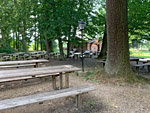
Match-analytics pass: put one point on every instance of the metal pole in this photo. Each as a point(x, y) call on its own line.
point(82, 52)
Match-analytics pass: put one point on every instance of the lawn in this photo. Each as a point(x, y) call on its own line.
point(140, 53)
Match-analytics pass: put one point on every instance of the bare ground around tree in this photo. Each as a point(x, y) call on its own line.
point(107, 98)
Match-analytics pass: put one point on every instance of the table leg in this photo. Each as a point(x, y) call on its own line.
point(61, 80)
point(37, 64)
point(137, 61)
point(148, 68)
point(66, 80)
point(78, 101)
point(54, 82)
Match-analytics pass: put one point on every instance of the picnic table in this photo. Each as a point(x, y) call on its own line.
point(135, 59)
point(54, 71)
point(11, 63)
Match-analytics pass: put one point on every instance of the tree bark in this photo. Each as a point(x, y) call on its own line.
point(117, 62)
point(24, 37)
point(49, 45)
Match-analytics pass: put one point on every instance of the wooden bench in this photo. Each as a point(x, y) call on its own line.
point(142, 65)
point(22, 63)
point(38, 98)
point(17, 66)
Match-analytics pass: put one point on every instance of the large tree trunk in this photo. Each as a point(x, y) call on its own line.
point(117, 38)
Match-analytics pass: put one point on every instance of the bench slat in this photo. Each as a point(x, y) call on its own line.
point(36, 98)
point(24, 78)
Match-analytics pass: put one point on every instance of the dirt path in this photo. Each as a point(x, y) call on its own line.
point(107, 98)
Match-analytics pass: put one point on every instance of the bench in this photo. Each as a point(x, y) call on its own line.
point(17, 66)
point(22, 63)
point(39, 98)
point(142, 65)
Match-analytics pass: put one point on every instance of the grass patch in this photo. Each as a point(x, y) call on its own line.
point(99, 76)
point(140, 53)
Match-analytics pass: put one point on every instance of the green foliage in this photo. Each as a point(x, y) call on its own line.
point(140, 53)
point(139, 15)
point(6, 48)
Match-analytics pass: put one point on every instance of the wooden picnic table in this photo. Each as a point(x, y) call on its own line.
point(33, 72)
point(37, 62)
point(134, 59)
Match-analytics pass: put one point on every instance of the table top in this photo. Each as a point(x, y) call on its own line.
point(37, 71)
point(22, 62)
point(77, 53)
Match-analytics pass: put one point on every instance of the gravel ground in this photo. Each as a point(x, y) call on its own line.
point(107, 98)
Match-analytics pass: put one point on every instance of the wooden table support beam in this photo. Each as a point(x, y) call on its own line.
point(66, 80)
point(61, 80)
point(54, 82)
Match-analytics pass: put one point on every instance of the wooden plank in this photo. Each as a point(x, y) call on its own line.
point(33, 72)
point(36, 98)
point(66, 80)
point(26, 78)
point(16, 66)
point(22, 62)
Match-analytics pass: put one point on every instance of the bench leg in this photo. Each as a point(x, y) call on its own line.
point(78, 101)
point(54, 82)
point(37, 64)
point(61, 80)
point(66, 80)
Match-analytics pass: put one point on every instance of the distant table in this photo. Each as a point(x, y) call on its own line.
point(37, 62)
point(134, 59)
point(77, 55)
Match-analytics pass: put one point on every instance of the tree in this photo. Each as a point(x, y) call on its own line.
point(117, 62)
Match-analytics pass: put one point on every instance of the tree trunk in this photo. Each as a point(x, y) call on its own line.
point(41, 43)
point(24, 37)
point(103, 52)
point(14, 40)
point(68, 44)
point(61, 49)
point(37, 44)
point(117, 62)
point(49, 45)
